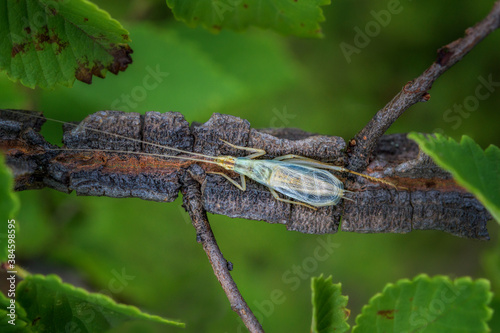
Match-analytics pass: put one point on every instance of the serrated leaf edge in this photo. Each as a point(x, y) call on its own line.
point(424, 277)
point(103, 299)
point(69, 83)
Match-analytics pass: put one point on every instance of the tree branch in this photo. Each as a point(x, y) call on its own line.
point(434, 201)
point(362, 145)
point(192, 202)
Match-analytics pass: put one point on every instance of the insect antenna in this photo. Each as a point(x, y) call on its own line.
point(135, 153)
point(373, 179)
point(151, 144)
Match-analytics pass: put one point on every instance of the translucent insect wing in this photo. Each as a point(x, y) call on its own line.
point(313, 186)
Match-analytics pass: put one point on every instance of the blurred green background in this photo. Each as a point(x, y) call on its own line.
point(272, 81)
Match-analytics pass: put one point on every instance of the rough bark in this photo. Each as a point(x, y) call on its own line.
point(426, 197)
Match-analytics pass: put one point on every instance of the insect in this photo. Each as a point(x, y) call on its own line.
point(305, 180)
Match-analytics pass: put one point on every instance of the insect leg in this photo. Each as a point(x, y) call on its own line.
point(297, 159)
point(243, 185)
point(256, 151)
point(275, 195)
point(293, 156)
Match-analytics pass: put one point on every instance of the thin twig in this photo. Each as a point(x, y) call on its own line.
point(362, 145)
point(204, 235)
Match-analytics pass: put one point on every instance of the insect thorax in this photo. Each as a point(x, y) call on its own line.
point(258, 170)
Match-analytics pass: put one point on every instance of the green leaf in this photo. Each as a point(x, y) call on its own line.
point(12, 314)
point(53, 306)
point(329, 306)
point(495, 321)
point(477, 170)
point(299, 18)
point(9, 204)
point(47, 43)
point(428, 305)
